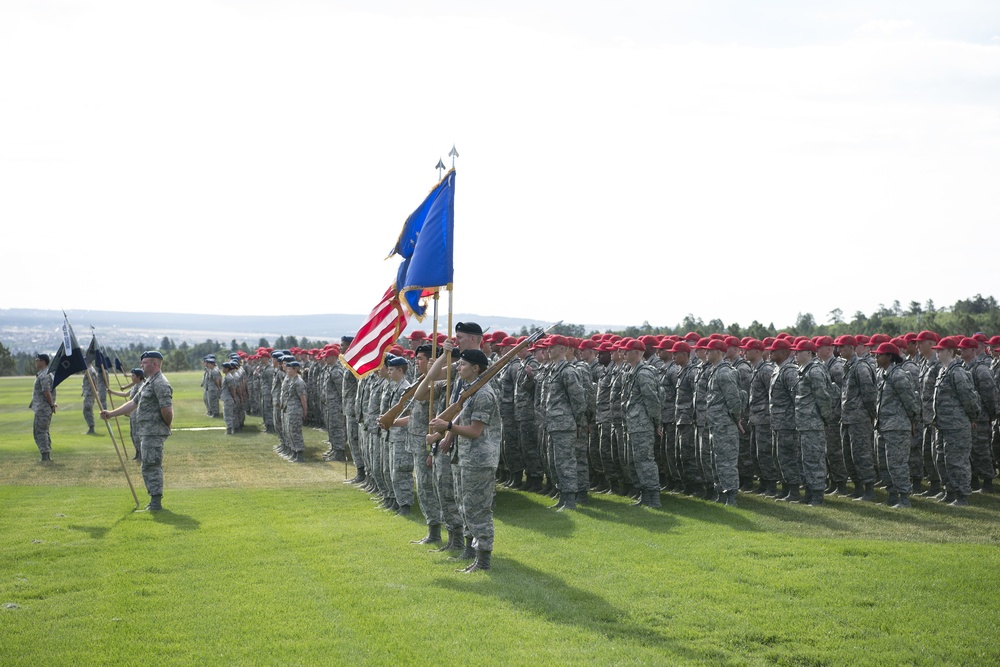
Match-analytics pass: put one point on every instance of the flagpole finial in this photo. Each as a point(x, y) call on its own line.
point(440, 167)
point(453, 154)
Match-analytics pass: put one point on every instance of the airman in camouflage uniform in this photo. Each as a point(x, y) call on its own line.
point(670, 472)
point(982, 380)
point(643, 417)
point(813, 411)
point(858, 403)
point(565, 413)
point(759, 419)
point(836, 462)
point(333, 402)
point(43, 403)
point(88, 396)
point(523, 372)
point(294, 403)
point(622, 482)
point(401, 462)
point(212, 383)
point(416, 423)
point(724, 409)
point(687, 444)
point(276, 382)
point(349, 396)
point(743, 373)
point(897, 411)
point(781, 404)
point(266, 381)
point(703, 373)
point(956, 406)
point(929, 368)
point(228, 395)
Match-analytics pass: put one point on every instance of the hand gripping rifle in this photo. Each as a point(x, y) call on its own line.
point(451, 412)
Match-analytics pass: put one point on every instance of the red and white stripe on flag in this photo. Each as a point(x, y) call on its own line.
point(383, 326)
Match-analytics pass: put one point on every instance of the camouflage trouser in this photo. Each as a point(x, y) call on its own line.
point(267, 410)
point(40, 429)
point(279, 427)
point(528, 441)
point(982, 453)
point(563, 447)
point(511, 452)
point(619, 445)
point(687, 445)
point(858, 445)
point(725, 439)
point(835, 453)
point(376, 464)
point(894, 450)
point(88, 410)
point(293, 430)
point(789, 456)
point(641, 462)
point(582, 461)
point(594, 450)
point(353, 438)
point(429, 503)
point(952, 457)
point(927, 447)
point(336, 428)
point(760, 436)
point(705, 454)
point(229, 411)
point(746, 457)
point(212, 402)
point(152, 463)
point(133, 433)
point(813, 445)
point(604, 446)
point(477, 487)
point(444, 488)
point(544, 450)
point(401, 468)
point(671, 453)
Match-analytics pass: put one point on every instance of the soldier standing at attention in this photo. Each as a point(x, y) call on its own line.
point(212, 381)
point(88, 396)
point(565, 413)
point(477, 440)
point(724, 409)
point(781, 403)
point(857, 400)
point(743, 374)
point(401, 461)
point(897, 413)
point(760, 417)
point(294, 402)
point(929, 368)
point(687, 445)
point(228, 395)
point(956, 405)
point(266, 381)
point(348, 395)
point(835, 460)
point(813, 411)
point(670, 474)
point(985, 386)
point(416, 423)
point(43, 403)
point(643, 417)
point(333, 402)
point(155, 413)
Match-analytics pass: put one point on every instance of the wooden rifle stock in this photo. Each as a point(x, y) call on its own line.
point(453, 410)
point(386, 419)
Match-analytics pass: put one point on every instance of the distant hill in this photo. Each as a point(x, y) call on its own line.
point(23, 329)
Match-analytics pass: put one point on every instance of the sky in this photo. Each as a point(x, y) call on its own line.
point(619, 162)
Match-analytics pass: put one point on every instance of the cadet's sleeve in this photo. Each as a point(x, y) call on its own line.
point(821, 390)
point(967, 394)
point(902, 384)
point(577, 396)
point(650, 392)
point(866, 388)
point(164, 394)
point(731, 394)
point(987, 389)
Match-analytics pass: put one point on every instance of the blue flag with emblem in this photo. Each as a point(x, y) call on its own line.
point(427, 247)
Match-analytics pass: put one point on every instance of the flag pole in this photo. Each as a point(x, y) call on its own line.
point(434, 347)
point(447, 382)
point(120, 459)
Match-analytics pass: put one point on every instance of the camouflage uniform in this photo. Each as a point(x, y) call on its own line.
point(524, 417)
point(702, 375)
point(781, 403)
point(43, 411)
point(619, 460)
point(154, 395)
point(416, 433)
point(88, 395)
point(929, 369)
point(291, 392)
point(266, 404)
point(835, 459)
point(477, 461)
point(915, 458)
point(401, 463)
point(813, 411)
point(445, 476)
point(565, 413)
point(348, 397)
point(670, 455)
point(212, 392)
point(724, 409)
point(333, 387)
point(506, 382)
point(897, 409)
point(858, 396)
point(760, 421)
point(956, 405)
point(276, 381)
point(373, 436)
point(746, 457)
point(228, 395)
point(643, 417)
point(583, 434)
point(687, 444)
point(982, 454)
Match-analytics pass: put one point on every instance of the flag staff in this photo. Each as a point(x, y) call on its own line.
point(93, 386)
point(440, 167)
point(434, 347)
point(447, 379)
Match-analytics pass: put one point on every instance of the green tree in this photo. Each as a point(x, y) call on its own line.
point(915, 308)
point(805, 324)
point(166, 345)
point(263, 343)
point(176, 362)
point(836, 316)
point(233, 345)
point(7, 364)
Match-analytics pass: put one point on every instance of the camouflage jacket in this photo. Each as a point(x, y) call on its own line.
point(982, 380)
point(835, 369)
point(956, 404)
point(858, 394)
point(641, 396)
point(565, 399)
point(781, 396)
point(929, 369)
point(668, 391)
point(760, 386)
point(897, 405)
point(813, 397)
point(725, 398)
point(684, 395)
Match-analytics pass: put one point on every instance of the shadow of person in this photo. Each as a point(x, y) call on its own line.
point(98, 532)
point(532, 512)
point(178, 521)
point(551, 598)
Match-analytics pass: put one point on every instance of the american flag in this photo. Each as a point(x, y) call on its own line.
point(383, 326)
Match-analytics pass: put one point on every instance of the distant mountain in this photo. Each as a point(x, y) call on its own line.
point(27, 329)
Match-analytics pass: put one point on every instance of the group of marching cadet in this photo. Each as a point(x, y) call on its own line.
point(789, 418)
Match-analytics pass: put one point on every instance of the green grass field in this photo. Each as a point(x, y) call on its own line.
point(259, 561)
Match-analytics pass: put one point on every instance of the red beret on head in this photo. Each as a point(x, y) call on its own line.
point(606, 346)
point(805, 346)
point(754, 344)
point(979, 337)
point(783, 334)
point(510, 341)
point(732, 341)
point(588, 344)
point(713, 336)
point(910, 337)
point(887, 348)
point(847, 340)
point(767, 341)
point(746, 339)
point(968, 343)
point(635, 345)
point(780, 344)
point(823, 341)
point(862, 339)
point(717, 344)
point(995, 340)
point(556, 339)
point(946, 343)
point(692, 336)
point(417, 334)
point(681, 346)
point(928, 335)
point(878, 339)
point(597, 337)
point(333, 352)
point(702, 344)
point(665, 344)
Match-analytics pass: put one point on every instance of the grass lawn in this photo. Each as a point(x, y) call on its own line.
point(260, 561)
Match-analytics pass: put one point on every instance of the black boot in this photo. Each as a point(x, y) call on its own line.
point(298, 457)
point(858, 489)
point(468, 553)
point(831, 487)
point(730, 498)
point(793, 494)
point(816, 500)
point(433, 535)
point(807, 496)
point(711, 493)
point(481, 564)
point(651, 499)
point(903, 502)
point(546, 488)
point(641, 501)
point(582, 498)
point(772, 489)
point(358, 478)
point(46, 457)
point(559, 503)
point(404, 510)
point(892, 499)
point(516, 480)
point(568, 501)
point(155, 504)
point(842, 489)
point(987, 485)
point(138, 456)
point(782, 493)
point(934, 489)
point(869, 493)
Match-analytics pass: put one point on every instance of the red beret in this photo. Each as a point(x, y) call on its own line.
point(665, 344)
point(878, 338)
point(847, 340)
point(637, 345)
point(823, 341)
point(597, 337)
point(767, 341)
point(556, 339)
point(754, 344)
point(510, 341)
point(713, 336)
point(606, 346)
point(417, 335)
point(588, 344)
point(899, 342)
point(681, 346)
point(732, 341)
point(717, 344)
point(702, 344)
point(979, 337)
point(780, 344)
point(805, 346)
point(692, 336)
point(887, 348)
point(333, 352)
point(994, 341)
point(909, 337)
point(783, 334)
point(968, 344)
point(746, 339)
point(946, 343)
point(862, 339)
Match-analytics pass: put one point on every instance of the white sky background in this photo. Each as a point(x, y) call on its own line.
point(620, 162)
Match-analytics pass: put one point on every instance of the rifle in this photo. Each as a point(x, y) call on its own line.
point(386, 419)
point(453, 410)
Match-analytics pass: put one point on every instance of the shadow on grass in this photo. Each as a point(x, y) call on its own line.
point(603, 508)
point(795, 513)
point(98, 532)
point(178, 521)
point(532, 591)
point(523, 510)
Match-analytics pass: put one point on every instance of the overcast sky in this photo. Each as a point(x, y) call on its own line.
point(619, 162)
